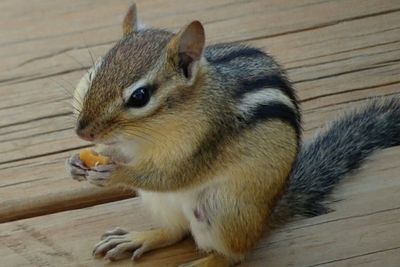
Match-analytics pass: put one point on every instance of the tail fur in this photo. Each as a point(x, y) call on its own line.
point(337, 151)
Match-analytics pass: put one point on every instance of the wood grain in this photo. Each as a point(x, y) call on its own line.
point(323, 77)
point(46, 130)
point(225, 20)
point(362, 230)
point(337, 53)
point(35, 188)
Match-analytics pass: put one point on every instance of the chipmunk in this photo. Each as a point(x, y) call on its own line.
point(210, 138)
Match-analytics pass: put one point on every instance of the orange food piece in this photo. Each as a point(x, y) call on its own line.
point(92, 159)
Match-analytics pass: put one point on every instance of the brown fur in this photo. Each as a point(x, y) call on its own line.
point(194, 135)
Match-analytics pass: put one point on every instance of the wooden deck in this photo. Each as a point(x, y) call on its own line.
point(337, 53)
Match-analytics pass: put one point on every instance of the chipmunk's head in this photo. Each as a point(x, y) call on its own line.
point(144, 79)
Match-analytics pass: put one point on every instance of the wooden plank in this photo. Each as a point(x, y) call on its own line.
point(336, 58)
point(330, 75)
point(326, 242)
point(327, 79)
point(39, 187)
point(332, 66)
point(361, 230)
point(225, 21)
point(387, 258)
point(71, 198)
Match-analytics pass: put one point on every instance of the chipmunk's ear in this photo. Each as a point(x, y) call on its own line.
point(130, 23)
point(186, 47)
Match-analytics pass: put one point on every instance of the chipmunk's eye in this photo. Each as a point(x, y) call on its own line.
point(139, 98)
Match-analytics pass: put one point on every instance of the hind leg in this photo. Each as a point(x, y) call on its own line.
point(228, 226)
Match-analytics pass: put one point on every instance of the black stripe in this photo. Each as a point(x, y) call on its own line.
point(272, 81)
point(244, 52)
point(275, 110)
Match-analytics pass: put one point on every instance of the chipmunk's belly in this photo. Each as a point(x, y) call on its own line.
point(183, 211)
point(200, 226)
point(166, 210)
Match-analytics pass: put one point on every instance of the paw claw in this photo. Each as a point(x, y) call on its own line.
point(118, 244)
point(107, 244)
point(121, 251)
point(115, 231)
point(104, 168)
point(138, 252)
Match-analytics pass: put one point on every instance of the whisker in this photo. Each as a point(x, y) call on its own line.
point(114, 130)
point(65, 102)
point(134, 131)
point(87, 47)
point(135, 134)
point(70, 84)
point(77, 101)
point(77, 61)
point(61, 86)
point(90, 53)
point(128, 124)
point(70, 95)
point(75, 98)
point(77, 110)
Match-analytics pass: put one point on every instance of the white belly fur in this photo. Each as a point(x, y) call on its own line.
point(175, 211)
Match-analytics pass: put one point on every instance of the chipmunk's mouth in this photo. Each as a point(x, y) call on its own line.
point(105, 141)
point(106, 137)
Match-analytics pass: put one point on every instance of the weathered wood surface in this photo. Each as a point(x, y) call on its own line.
point(337, 53)
point(329, 64)
point(362, 231)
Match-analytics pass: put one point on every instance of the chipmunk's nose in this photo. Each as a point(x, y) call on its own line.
point(83, 131)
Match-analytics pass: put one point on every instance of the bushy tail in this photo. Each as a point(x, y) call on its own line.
point(339, 150)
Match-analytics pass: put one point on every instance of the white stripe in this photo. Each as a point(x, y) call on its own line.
point(130, 89)
point(265, 96)
point(84, 84)
point(140, 26)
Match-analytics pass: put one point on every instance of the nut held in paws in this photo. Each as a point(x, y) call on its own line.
point(92, 159)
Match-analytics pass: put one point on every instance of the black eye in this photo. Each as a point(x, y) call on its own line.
point(139, 98)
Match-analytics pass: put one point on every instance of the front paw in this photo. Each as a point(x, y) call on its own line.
point(100, 175)
point(76, 168)
point(97, 175)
